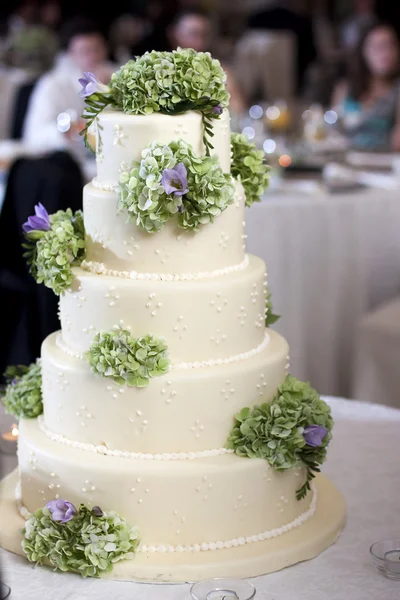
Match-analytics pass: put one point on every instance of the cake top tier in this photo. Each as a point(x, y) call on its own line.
point(171, 83)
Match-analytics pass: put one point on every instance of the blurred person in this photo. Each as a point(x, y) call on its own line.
point(85, 49)
point(362, 17)
point(50, 14)
point(193, 29)
point(27, 43)
point(156, 16)
point(25, 13)
point(368, 100)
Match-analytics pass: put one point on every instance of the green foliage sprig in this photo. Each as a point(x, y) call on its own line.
point(23, 397)
point(87, 544)
point(126, 359)
point(270, 317)
point(249, 168)
point(275, 430)
point(51, 254)
point(145, 200)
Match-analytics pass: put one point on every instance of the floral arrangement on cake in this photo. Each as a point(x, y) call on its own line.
point(23, 396)
point(166, 82)
point(249, 168)
point(293, 429)
point(86, 540)
point(270, 317)
point(54, 244)
point(171, 180)
point(126, 359)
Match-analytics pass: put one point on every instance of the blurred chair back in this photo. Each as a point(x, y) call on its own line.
point(21, 104)
point(29, 309)
point(265, 64)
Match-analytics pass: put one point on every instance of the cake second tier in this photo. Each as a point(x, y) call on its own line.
point(201, 320)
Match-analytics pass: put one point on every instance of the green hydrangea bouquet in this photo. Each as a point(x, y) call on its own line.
point(23, 397)
point(293, 429)
point(87, 540)
point(249, 168)
point(126, 359)
point(54, 244)
point(173, 180)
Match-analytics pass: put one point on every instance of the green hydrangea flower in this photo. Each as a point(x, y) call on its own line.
point(275, 431)
point(52, 254)
point(270, 317)
point(87, 544)
point(249, 168)
point(146, 202)
point(168, 82)
point(117, 354)
point(23, 397)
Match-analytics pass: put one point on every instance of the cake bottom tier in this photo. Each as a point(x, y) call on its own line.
point(248, 560)
point(186, 509)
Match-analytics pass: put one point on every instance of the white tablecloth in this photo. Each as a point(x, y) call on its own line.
point(363, 461)
point(330, 259)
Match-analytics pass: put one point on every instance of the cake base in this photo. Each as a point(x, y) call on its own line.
point(297, 545)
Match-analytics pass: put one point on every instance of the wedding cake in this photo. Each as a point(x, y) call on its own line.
point(160, 424)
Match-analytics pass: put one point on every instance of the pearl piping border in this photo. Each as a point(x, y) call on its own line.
point(104, 185)
point(98, 268)
point(101, 449)
point(212, 362)
point(207, 546)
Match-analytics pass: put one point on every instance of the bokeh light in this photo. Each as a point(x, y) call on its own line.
point(273, 113)
point(285, 160)
point(256, 111)
point(249, 132)
point(330, 117)
point(63, 122)
point(269, 146)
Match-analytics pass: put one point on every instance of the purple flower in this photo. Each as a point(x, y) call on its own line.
point(90, 85)
point(40, 222)
point(314, 435)
point(96, 510)
point(174, 181)
point(217, 110)
point(61, 510)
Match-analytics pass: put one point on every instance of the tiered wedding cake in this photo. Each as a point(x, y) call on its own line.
point(157, 454)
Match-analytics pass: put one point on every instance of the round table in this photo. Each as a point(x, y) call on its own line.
point(364, 463)
point(330, 259)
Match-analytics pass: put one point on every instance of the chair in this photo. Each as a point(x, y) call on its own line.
point(30, 310)
point(377, 374)
point(21, 105)
point(265, 63)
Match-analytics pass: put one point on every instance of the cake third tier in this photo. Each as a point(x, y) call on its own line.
point(201, 320)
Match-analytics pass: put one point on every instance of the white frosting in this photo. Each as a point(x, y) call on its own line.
point(219, 545)
point(211, 362)
point(123, 137)
point(60, 439)
point(101, 269)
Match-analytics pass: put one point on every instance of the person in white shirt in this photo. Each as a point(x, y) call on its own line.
point(58, 90)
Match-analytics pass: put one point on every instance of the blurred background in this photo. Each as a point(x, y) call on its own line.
point(315, 84)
